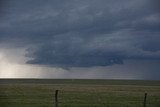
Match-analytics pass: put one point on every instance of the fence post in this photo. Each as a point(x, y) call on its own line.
point(145, 97)
point(56, 98)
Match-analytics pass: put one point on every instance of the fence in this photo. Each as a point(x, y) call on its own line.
point(56, 99)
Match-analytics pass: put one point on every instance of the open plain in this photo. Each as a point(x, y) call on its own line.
point(78, 93)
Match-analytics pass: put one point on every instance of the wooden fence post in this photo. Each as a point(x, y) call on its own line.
point(145, 97)
point(56, 98)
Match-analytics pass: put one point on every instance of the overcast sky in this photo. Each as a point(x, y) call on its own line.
point(105, 39)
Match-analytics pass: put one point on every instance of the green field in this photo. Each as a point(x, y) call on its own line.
point(78, 93)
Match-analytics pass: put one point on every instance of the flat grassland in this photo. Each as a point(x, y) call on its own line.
point(78, 93)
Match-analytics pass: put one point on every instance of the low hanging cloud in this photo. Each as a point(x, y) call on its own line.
point(86, 33)
point(104, 50)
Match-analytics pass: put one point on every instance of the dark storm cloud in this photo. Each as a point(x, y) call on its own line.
point(74, 33)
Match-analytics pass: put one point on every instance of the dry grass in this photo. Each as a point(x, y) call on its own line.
point(78, 94)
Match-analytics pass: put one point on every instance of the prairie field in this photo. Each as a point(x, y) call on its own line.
point(78, 93)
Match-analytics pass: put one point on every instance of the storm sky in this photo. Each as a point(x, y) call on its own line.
point(105, 39)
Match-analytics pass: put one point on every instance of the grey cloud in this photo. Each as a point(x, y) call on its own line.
point(103, 50)
point(86, 33)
